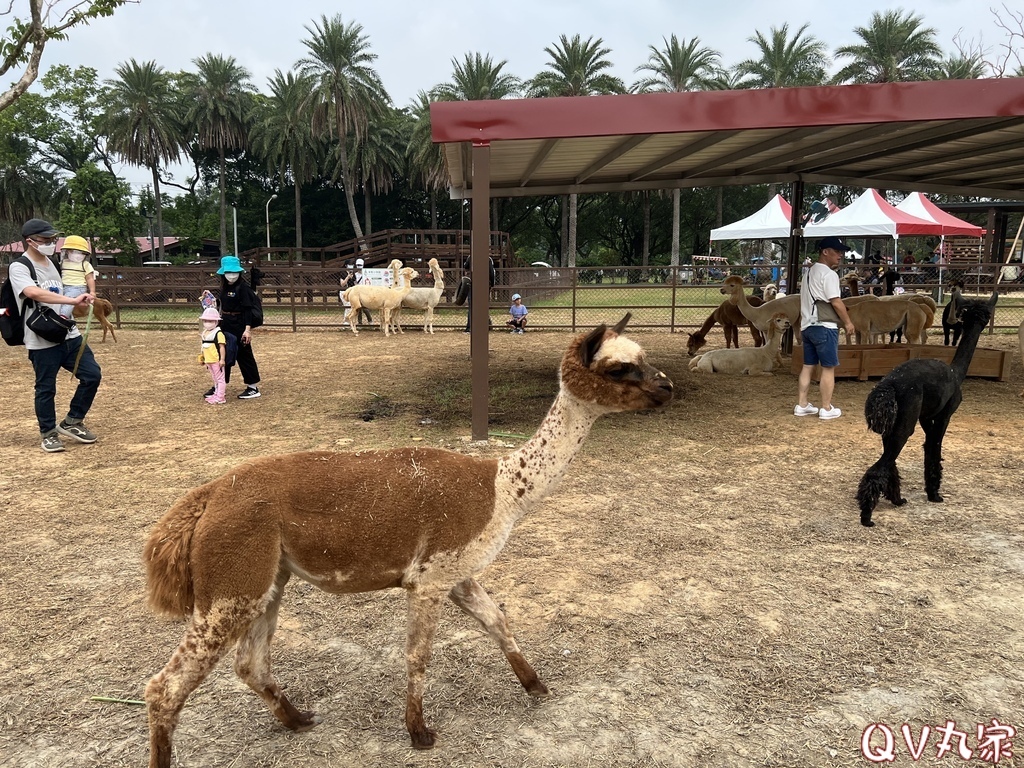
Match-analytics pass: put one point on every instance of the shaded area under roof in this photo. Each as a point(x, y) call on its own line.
point(955, 136)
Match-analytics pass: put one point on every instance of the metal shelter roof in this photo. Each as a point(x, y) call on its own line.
point(958, 136)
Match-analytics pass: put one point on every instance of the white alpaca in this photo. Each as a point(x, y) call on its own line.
point(225, 551)
point(378, 297)
point(756, 361)
point(424, 298)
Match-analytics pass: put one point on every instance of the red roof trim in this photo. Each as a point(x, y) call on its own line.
point(654, 113)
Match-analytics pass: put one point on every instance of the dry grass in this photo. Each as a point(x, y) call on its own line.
point(698, 593)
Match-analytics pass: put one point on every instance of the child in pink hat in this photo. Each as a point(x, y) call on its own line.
point(212, 353)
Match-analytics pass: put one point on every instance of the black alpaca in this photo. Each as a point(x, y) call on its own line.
point(952, 323)
point(925, 391)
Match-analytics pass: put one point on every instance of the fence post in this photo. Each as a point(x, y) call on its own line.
point(672, 314)
point(291, 292)
point(575, 287)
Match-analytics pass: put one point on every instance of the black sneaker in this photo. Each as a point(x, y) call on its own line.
point(76, 432)
point(249, 393)
point(52, 443)
point(210, 392)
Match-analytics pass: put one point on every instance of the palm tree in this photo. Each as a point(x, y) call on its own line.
point(378, 159)
point(785, 62)
point(961, 68)
point(577, 68)
point(424, 157)
point(475, 79)
point(894, 48)
point(219, 99)
point(142, 122)
point(282, 136)
point(347, 91)
point(677, 68)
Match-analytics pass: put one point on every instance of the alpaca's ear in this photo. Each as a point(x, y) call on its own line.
point(953, 310)
point(621, 325)
point(993, 300)
point(592, 343)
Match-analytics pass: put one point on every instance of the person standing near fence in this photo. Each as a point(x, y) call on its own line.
point(47, 358)
point(238, 305)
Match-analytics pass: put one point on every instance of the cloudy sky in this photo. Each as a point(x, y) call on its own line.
point(416, 40)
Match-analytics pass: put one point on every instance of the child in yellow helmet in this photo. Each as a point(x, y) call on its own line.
point(77, 274)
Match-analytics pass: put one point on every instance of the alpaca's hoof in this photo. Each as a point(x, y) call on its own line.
point(866, 522)
point(306, 721)
point(538, 689)
point(901, 501)
point(424, 739)
point(936, 498)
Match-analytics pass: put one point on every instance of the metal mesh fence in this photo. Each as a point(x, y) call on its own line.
point(557, 298)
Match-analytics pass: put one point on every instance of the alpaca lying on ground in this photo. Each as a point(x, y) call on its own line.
point(874, 317)
point(386, 299)
point(728, 316)
point(225, 550)
point(101, 312)
point(919, 390)
point(756, 361)
point(952, 325)
point(423, 298)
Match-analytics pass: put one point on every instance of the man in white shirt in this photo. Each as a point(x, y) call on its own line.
point(821, 312)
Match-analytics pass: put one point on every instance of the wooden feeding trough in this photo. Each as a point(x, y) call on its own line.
point(865, 361)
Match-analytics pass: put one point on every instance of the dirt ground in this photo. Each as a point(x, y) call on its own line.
point(698, 592)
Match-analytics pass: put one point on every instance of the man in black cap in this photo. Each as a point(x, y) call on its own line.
point(47, 358)
point(821, 312)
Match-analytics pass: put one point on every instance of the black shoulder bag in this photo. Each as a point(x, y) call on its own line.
point(42, 320)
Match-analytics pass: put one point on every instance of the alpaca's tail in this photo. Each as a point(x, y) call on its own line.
point(167, 554)
point(880, 408)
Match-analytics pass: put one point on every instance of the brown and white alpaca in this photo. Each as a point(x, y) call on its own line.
point(728, 316)
point(423, 298)
point(755, 361)
point(225, 550)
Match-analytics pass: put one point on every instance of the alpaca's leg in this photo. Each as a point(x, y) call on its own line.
point(934, 431)
point(424, 611)
point(204, 644)
point(474, 600)
point(883, 476)
point(252, 664)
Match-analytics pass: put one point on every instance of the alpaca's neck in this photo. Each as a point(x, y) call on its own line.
point(535, 469)
point(965, 350)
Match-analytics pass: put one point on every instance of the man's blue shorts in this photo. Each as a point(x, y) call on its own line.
point(821, 346)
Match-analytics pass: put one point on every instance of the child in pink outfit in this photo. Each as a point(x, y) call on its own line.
point(212, 352)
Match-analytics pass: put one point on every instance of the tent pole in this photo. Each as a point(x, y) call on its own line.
point(794, 247)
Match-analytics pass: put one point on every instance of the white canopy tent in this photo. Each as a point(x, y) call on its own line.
point(771, 222)
point(868, 216)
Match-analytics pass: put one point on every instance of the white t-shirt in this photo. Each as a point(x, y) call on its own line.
point(48, 277)
point(821, 284)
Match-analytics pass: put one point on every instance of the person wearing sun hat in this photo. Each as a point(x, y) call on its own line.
point(821, 312)
point(35, 278)
point(238, 307)
point(78, 274)
point(212, 353)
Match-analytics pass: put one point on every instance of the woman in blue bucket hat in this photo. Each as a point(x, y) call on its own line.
point(240, 312)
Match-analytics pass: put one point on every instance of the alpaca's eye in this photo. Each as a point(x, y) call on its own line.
point(618, 372)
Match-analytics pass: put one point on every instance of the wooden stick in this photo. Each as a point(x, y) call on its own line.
point(118, 701)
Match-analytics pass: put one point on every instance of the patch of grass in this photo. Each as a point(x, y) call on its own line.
point(379, 407)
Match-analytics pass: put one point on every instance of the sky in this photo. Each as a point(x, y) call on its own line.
point(416, 40)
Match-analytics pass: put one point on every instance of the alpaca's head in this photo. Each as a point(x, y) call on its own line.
point(606, 368)
point(975, 312)
point(779, 324)
point(733, 286)
point(693, 344)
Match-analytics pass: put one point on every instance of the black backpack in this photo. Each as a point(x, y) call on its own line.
point(12, 324)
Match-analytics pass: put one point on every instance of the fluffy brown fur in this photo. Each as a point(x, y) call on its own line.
point(226, 550)
point(730, 318)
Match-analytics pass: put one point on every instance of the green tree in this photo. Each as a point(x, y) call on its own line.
point(785, 61)
point(576, 68)
point(101, 210)
point(143, 124)
point(23, 42)
point(960, 67)
point(894, 47)
point(220, 101)
point(477, 78)
point(283, 137)
point(425, 158)
point(378, 159)
point(676, 68)
point(347, 91)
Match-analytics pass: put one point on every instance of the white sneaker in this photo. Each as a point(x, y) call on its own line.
point(829, 413)
point(804, 410)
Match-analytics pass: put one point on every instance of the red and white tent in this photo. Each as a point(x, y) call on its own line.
point(870, 215)
point(770, 222)
point(918, 205)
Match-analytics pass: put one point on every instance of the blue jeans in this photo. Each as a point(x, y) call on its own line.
point(47, 364)
point(821, 345)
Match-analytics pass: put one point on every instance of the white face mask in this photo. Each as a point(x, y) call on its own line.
point(209, 324)
point(76, 256)
point(232, 277)
point(46, 250)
